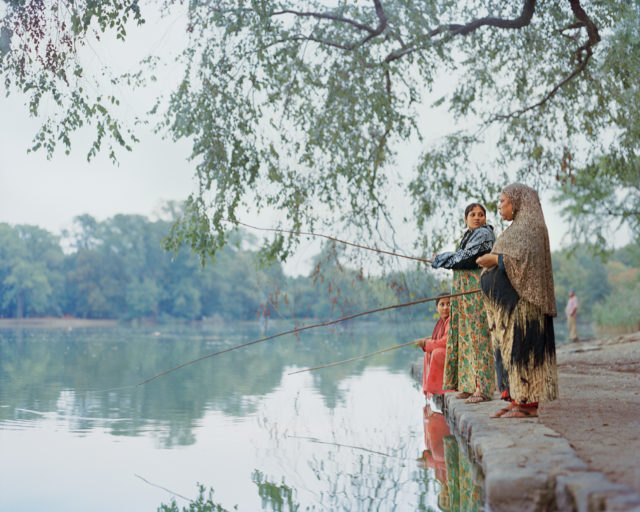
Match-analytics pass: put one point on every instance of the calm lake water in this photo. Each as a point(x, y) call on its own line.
point(76, 435)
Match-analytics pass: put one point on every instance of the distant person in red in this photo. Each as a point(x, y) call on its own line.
point(435, 350)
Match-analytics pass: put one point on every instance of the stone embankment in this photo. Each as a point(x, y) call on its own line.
point(582, 453)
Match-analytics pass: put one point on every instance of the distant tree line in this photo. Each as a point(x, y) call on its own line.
point(608, 292)
point(118, 268)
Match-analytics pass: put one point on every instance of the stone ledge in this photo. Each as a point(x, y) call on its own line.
point(529, 467)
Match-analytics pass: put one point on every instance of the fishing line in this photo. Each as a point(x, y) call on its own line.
point(354, 358)
point(163, 488)
point(316, 440)
point(276, 230)
point(304, 328)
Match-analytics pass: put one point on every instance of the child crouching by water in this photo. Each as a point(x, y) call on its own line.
point(435, 349)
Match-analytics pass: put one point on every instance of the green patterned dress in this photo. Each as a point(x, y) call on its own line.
point(469, 360)
point(464, 493)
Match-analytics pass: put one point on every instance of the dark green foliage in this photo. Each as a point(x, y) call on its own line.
point(203, 503)
point(620, 311)
point(628, 255)
point(278, 498)
point(118, 268)
point(31, 272)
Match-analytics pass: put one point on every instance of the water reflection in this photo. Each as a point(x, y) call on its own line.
point(460, 480)
point(344, 438)
point(66, 374)
point(447, 474)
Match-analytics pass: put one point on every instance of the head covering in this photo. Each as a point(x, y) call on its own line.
point(525, 249)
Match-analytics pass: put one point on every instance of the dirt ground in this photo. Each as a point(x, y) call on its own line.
point(599, 407)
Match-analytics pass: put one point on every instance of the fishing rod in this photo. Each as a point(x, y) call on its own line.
point(304, 328)
point(355, 358)
point(276, 230)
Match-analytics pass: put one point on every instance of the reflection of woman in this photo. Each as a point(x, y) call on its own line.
point(435, 430)
point(464, 493)
point(435, 350)
point(520, 303)
point(469, 360)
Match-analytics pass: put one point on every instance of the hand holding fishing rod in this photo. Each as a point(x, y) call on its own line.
point(420, 342)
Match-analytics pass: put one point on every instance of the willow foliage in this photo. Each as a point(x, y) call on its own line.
point(303, 106)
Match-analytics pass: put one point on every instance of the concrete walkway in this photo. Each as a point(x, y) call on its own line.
point(582, 453)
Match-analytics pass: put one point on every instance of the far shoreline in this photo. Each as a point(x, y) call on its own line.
point(56, 322)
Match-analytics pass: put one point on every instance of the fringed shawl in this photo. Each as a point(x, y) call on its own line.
point(524, 246)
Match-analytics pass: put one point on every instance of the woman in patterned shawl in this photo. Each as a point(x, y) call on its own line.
point(520, 303)
point(469, 366)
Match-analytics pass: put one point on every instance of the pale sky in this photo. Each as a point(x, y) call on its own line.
point(50, 193)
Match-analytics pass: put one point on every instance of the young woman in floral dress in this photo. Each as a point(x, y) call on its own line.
point(469, 366)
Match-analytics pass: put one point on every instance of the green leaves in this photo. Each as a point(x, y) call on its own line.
point(303, 107)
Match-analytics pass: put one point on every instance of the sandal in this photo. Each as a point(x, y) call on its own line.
point(464, 394)
point(476, 398)
point(519, 412)
point(500, 413)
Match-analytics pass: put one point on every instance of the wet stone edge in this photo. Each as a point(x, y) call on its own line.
point(530, 467)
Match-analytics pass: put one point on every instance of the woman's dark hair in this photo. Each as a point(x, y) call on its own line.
point(471, 207)
point(441, 296)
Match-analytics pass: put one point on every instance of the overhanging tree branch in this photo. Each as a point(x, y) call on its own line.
point(382, 23)
point(572, 26)
point(454, 29)
point(373, 32)
point(592, 30)
point(319, 41)
point(347, 106)
point(521, 21)
point(582, 54)
point(326, 16)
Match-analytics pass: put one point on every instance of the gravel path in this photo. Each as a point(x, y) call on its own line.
point(599, 407)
